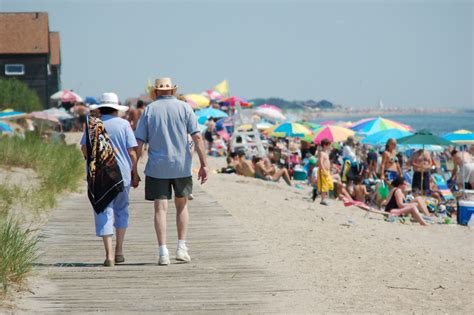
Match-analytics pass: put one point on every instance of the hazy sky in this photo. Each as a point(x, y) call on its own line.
point(405, 52)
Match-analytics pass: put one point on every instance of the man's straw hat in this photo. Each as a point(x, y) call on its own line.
point(164, 84)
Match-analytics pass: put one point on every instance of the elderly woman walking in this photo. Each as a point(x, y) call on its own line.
point(109, 146)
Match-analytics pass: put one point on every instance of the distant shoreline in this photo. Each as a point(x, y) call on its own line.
point(375, 112)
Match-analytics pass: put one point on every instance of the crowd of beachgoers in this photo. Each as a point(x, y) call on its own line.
point(357, 163)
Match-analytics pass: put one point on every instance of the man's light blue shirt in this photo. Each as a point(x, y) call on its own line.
point(165, 125)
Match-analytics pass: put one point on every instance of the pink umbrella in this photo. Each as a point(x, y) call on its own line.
point(230, 101)
point(44, 116)
point(212, 95)
point(66, 96)
point(274, 107)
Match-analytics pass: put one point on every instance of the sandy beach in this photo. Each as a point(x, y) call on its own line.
point(342, 259)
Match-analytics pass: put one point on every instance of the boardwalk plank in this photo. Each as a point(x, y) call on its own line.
point(225, 274)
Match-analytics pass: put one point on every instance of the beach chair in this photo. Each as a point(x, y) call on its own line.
point(443, 188)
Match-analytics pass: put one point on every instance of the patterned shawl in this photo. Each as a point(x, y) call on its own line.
point(104, 179)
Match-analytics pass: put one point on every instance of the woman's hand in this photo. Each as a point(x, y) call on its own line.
point(135, 180)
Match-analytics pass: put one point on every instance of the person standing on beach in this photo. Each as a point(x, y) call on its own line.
point(135, 114)
point(123, 151)
point(324, 181)
point(421, 163)
point(165, 125)
point(390, 167)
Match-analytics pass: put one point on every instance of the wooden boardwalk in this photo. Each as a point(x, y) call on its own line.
point(225, 274)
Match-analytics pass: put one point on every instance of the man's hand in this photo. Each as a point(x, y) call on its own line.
point(135, 180)
point(203, 174)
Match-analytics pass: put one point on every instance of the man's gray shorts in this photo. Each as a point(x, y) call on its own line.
point(159, 188)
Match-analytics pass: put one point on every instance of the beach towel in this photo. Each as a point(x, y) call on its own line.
point(104, 179)
point(443, 188)
point(408, 175)
point(325, 183)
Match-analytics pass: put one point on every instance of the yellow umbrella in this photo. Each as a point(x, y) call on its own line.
point(462, 131)
point(200, 101)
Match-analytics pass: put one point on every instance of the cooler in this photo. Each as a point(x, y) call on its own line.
point(299, 174)
point(465, 210)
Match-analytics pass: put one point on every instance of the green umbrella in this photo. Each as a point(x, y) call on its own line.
point(424, 137)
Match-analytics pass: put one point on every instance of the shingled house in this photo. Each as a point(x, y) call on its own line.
point(30, 53)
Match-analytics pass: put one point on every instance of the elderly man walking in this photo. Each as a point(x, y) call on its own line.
point(165, 125)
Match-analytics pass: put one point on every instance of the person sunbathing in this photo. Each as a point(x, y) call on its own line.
point(397, 206)
point(244, 167)
point(266, 171)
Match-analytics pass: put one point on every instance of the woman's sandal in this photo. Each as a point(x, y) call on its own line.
point(119, 259)
point(109, 263)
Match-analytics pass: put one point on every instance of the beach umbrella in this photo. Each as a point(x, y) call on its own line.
point(11, 114)
point(372, 125)
point(4, 127)
point(260, 126)
point(212, 95)
point(289, 130)
point(224, 122)
point(332, 133)
point(230, 101)
point(381, 137)
point(197, 100)
point(66, 96)
point(274, 107)
point(270, 113)
point(58, 113)
point(91, 100)
point(211, 113)
point(310, 125)
point(424, 137)
point(44, 116)
point(460, 137)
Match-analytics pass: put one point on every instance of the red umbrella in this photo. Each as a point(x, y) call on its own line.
point(230, 101)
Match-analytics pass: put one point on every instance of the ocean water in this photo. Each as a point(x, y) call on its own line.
point(438, 124)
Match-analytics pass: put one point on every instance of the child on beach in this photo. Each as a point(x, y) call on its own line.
point(360, 191)
point(325, 183)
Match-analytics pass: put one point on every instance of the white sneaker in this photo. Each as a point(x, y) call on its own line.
point(182, 254)
point(164, 260)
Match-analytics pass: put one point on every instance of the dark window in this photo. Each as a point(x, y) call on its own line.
point(14, 69)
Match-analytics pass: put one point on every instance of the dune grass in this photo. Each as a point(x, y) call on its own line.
point(59, 168)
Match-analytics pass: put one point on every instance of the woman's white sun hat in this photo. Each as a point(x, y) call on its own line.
point(109, 100)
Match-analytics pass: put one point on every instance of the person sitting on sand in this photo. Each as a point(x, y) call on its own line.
point(360, 191)
point(243, 166)
point(266, 171)
point(396, 204)
point(230, 168)
point(325, 182)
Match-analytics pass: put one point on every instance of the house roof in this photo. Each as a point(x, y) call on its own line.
point(54, 46)
point(24, 33)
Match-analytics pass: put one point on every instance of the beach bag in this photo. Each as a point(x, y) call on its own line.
point(383, 190)
point(104, 179)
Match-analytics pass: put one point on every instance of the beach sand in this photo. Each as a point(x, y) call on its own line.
point(342, 259)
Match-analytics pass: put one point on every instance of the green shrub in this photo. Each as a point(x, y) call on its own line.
point(18, 249)
point(17, 95)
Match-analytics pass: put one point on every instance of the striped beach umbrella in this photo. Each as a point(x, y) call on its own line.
point(11, 114)
point(381, 137)
point(332, 133)
point(460, 137)
point(372, 125)
point(289, 130)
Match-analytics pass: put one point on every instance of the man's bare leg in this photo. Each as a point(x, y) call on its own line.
point(120, 235)
point(161, 209)
point(182, 219)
